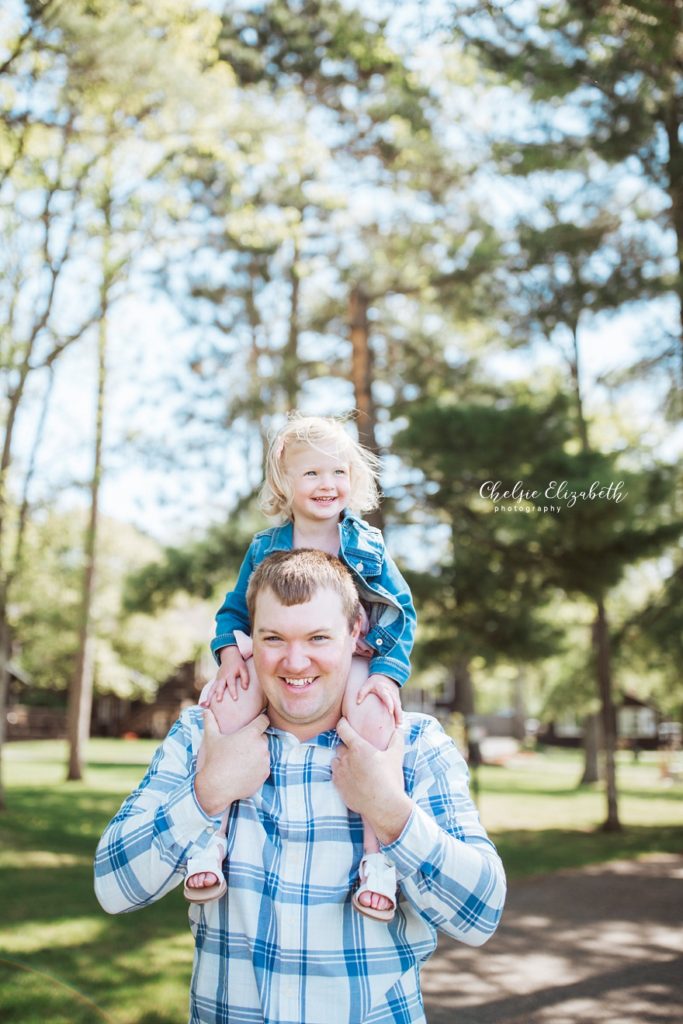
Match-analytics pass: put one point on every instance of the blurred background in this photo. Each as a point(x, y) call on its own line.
point(460, 222)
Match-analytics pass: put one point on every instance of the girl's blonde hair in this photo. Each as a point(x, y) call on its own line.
point(326, 433)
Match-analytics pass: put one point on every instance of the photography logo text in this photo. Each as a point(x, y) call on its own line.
point(552, 498)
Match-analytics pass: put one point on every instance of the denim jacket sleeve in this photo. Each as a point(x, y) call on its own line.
point(394, 660)
point(392, 614)
point(233, 613)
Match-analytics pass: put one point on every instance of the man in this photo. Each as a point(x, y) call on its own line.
point(285, 945)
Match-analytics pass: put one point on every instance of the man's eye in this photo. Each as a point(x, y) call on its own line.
point(320, 636)
point(271, 639)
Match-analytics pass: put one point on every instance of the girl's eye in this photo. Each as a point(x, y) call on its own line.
point(310, 472)
point(340, 472)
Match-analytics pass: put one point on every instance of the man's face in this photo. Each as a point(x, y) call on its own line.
point(302, 655)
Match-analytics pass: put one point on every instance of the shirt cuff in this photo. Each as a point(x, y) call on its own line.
point(188, 821)
point(419, 843)
point(387, 666)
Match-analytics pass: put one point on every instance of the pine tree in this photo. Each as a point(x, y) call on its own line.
point(606, 108)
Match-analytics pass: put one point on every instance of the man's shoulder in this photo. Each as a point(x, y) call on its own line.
point(428, 746)
point(418, 727)
point(188, 727)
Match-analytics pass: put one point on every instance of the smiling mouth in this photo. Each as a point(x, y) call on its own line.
point(299, 684)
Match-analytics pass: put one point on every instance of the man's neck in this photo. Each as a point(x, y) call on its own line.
point(305, 731)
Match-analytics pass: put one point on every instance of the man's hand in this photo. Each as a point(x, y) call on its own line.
point(387, 691)
point(370, 782)
point(233, 767)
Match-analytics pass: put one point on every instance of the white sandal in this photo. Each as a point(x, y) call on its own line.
point(210, 859)
point(377, 874)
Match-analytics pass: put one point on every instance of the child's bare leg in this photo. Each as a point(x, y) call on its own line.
point(374, 723)
point(231, 715)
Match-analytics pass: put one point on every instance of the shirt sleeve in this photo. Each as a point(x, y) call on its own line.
point(446, 865)
point(143, 850)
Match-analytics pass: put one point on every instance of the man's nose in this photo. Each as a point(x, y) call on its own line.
point(296, 657)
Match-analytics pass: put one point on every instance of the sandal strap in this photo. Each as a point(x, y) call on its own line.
point(209, 859)
point(378, 875)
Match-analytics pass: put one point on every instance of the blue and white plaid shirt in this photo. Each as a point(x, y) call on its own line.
point(284, 945)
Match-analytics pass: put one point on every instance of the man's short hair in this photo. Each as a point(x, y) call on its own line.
point(296, 576)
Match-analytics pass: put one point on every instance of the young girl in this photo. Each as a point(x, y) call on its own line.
point(317, 480)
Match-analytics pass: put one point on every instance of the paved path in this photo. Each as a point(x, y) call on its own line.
point(603, 945)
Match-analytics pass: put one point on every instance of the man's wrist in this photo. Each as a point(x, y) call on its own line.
point(391, 821)
point(205, 796)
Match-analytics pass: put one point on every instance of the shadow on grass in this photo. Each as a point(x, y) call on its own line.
point(54, 929)
point(57, 818)
point(33, 997)
point(526, 853)
point(675, 796)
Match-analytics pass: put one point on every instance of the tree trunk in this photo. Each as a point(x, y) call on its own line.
point(290, 360)
point(608, 715)
point(463, 694)
point(592, 739)
point(362, 377)
point(675, 190)
point(575, 370)
point(5, 647)
point(464, 703)
point(7, 572)
point(81, 690)
point(519, 705)
point(592, 742)
point(10, 572)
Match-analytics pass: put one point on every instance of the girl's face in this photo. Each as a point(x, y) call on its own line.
point(320, 483)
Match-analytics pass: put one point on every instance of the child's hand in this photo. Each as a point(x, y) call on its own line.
point(387, 691)
point(232, 672)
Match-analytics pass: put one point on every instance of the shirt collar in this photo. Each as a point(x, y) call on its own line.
point(329, 738)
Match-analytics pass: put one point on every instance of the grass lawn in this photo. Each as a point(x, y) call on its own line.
point(63, 961)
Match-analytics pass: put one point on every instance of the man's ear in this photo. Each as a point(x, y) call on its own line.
point(355, 632)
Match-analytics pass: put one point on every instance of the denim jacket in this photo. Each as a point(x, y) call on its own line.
point(381, 587)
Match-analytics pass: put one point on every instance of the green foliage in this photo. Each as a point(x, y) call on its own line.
point(603, 142)
point(199, 568)
point(649, 643)
point(132, 653)
point(484, 599)
point(333, 53)
point(508, 558)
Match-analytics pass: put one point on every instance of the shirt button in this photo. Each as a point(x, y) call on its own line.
point(359, 566)
point(379, 641)
point(210, 829)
